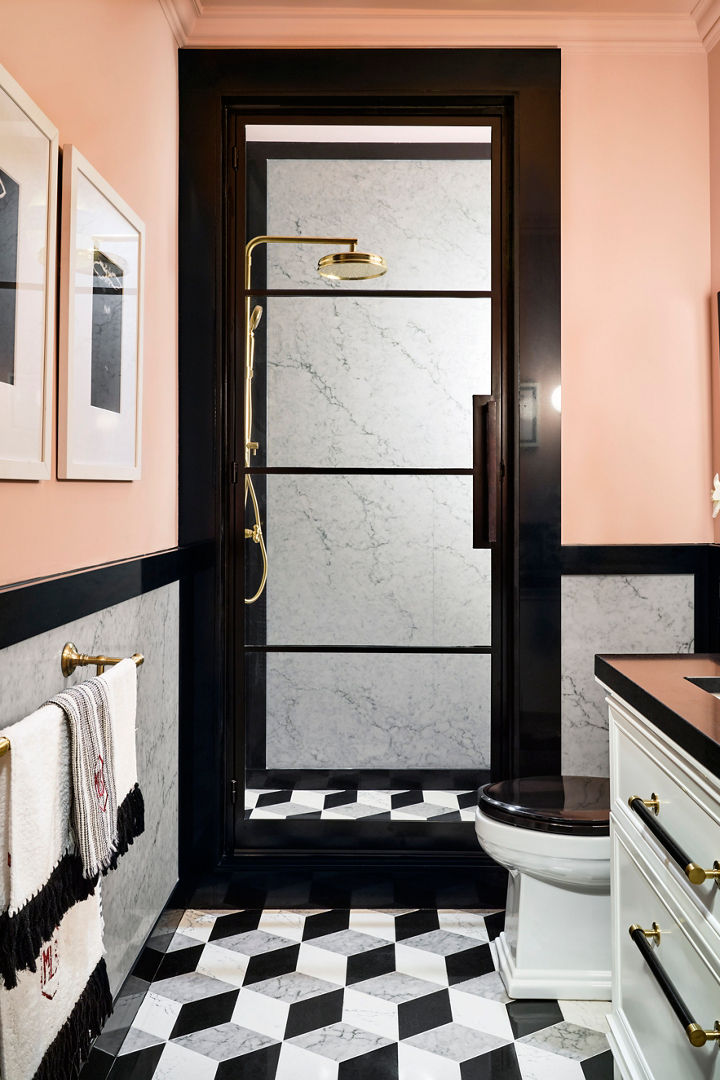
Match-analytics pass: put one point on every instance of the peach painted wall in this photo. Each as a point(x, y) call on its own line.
point(714, 84)
point(636, 404)
point(106, 75)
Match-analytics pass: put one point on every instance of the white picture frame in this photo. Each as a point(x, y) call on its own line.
point(28, 229)
point(102, 277)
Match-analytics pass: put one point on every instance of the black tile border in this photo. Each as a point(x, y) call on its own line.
point(32, 607)
point(632, 558)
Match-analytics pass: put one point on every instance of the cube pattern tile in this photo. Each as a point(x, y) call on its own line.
point(264, 804)
point(348, 994)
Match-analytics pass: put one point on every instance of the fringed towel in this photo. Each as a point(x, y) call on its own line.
point(41, 873)
point(93, 773)
point(42, 877)
point(48, 1022)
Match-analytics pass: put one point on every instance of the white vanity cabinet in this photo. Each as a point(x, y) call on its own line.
point(666, 973)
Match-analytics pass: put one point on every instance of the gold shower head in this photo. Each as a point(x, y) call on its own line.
point(351, 266)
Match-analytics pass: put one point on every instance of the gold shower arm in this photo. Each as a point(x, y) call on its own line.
point(351, 241)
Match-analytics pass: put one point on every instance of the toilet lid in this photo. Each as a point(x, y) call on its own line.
point(577, 805)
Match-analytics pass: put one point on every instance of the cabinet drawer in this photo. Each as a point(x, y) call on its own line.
point(689, 810)
point(658, 1036)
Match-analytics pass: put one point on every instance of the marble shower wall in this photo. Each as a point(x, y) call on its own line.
point(642, 613)
point(378, 711)
point(134, 895)
point(374, 383)
point(429, 219)
point(374, 560)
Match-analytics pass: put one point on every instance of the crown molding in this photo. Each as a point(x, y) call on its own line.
point(707, 17)
point(182, 16)
point(204, 24)
point(212, 24)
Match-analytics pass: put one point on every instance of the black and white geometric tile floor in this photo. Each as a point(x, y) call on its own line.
point(267, 804)
point(347, 994)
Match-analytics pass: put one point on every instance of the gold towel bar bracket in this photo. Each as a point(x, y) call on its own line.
point(71, 659)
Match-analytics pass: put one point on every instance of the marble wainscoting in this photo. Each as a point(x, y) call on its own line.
point(378, 711)
point(375, 560)
point(638, 613)
point(429, 219)
point(134, 894)
point(376, 382)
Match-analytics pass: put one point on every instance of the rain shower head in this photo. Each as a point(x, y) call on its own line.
point(351, 266)
point(257, 314)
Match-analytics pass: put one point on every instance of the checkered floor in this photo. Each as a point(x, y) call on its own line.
point(266, 804)
point(349, 995)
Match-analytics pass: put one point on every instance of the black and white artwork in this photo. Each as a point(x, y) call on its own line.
point(106, 352)
point(28, 217)
point(9, 213)
point(101, 286)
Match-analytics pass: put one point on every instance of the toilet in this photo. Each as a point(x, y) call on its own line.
point(552, 834)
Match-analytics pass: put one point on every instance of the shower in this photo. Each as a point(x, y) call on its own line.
point(349, 265)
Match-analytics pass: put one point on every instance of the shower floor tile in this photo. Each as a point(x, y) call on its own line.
point(351, 994)
point(266, 804)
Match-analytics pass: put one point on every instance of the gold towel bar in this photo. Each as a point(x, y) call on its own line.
point(71, 659)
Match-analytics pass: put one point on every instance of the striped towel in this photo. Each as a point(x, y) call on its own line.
point(95, 818)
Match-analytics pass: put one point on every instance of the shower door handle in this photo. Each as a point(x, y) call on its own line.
point(485, 468)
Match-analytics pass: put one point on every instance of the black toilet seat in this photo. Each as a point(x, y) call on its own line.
point(573, 805)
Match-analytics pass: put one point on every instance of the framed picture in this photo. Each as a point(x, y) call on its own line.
point(102, 255)
point(28, 220)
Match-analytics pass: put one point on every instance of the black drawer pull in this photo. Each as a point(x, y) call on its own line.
point(695, 874)
point(697, 1035)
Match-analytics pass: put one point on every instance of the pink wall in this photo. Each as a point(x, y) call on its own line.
point(106, 75)
point(636, 277)
point(636, 407)
point(714, 84)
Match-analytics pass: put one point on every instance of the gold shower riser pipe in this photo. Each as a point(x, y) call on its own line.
point(248, 445)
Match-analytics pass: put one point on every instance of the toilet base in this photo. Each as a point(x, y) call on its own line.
point(561, 985)
point(556, 942)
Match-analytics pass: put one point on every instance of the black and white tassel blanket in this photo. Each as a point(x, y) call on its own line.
point(48, 1021)
point(42, 872)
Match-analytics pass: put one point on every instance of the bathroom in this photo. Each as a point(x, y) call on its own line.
point(309, 761)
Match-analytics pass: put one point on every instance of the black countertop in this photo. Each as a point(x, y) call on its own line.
point(658, 687)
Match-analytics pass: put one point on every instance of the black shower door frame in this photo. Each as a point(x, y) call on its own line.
point(248, 751)
point(521, 89)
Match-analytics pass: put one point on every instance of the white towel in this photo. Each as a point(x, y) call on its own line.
point(39, 826)
point(42, 873)
point(42, 876)
point(120, 683)
point(48, 1022)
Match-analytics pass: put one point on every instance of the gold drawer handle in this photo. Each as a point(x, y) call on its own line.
point(695, 874)
point(696, 1034)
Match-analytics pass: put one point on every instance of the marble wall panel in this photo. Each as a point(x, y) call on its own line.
point(134, 894)
point(374, 560)
point(377, 382)
point(429, 219)
point(641, 613)
point(379, 711)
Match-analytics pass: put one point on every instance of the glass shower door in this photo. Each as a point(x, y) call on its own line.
point(369, 655)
